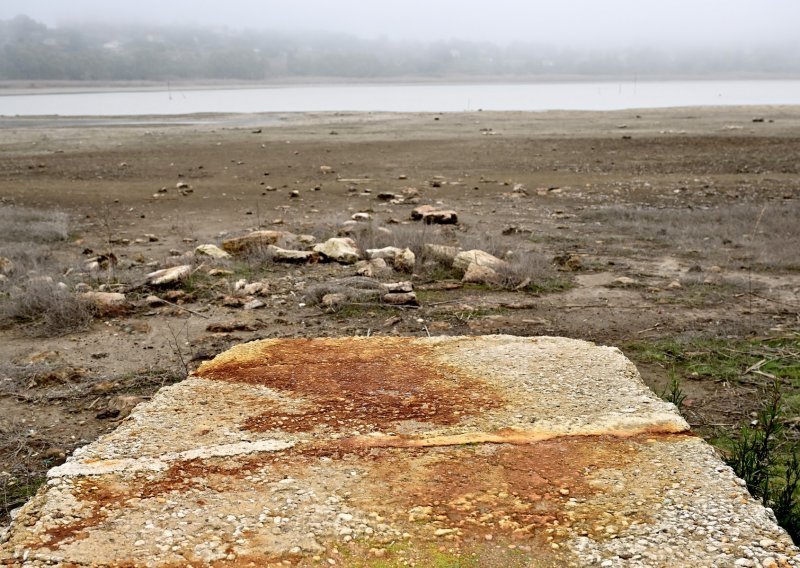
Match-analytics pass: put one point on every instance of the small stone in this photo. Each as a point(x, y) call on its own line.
point(6, 266)
point(253, 305)
point(169, 275)
point(252, 242)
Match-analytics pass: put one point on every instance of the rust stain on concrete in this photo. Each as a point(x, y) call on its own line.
point(354, 385)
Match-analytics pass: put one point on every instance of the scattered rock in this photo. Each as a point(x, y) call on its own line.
point(339, 249)
point(432, 216)
point(251, 288)
point(107, 302)
point(402, 260)
point(405, 261)
point(292, 256)
point(253, 305)
point(252, 242)
point(372, 268)
point(327, 170)
point(229, 327)
point(154, 301)
point(625, 281)
point(419, 212)
point(211, 250)
point(6, 266)
point(478, 257)
point(568, 262)
point(400, 299)
point(440, 253)
point(386, 196)
point(169, 276)
point(54, 456)
point(477, 274)
point(361, 217)
point(398, 287)
point(124, 404)
point(232, 302)
point(334, 300)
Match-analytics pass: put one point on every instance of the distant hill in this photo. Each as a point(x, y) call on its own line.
point(30, 50)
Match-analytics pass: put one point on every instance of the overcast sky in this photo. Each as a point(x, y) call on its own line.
point(601, 23)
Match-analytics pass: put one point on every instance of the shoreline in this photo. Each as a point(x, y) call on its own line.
point(246, 119)
point(24, 87)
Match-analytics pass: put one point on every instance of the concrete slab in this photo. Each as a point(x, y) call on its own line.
point(453, 451)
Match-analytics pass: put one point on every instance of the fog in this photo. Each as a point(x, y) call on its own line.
point(566, 23)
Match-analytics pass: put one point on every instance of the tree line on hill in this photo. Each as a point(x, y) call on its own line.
point(30, 50)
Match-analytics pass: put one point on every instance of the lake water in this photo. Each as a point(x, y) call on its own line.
point(408, 98)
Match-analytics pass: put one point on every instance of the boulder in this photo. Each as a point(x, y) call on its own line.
point(211, 250)
point(251, 242)
point(291, 256)
point(481, 258)
point(169, 276)
point(339, 249)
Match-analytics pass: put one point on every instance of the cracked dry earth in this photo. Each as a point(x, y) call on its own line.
point(445, 451)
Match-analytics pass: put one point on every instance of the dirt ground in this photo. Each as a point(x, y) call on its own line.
point(695, 210)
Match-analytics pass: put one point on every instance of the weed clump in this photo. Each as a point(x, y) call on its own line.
point(45, 308)
point(767, 460)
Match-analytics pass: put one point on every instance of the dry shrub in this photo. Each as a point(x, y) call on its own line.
point(42, 307)
point(524, 268)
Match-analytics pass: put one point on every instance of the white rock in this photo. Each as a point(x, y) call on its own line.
point(169, 275)
point(105, 299)
point(339, 249)
point(481, 258)
point(211, 250)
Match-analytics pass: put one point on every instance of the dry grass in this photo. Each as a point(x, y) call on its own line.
point(33, 299)
point(42, 307)
point(24, 225)
point(764, 236)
